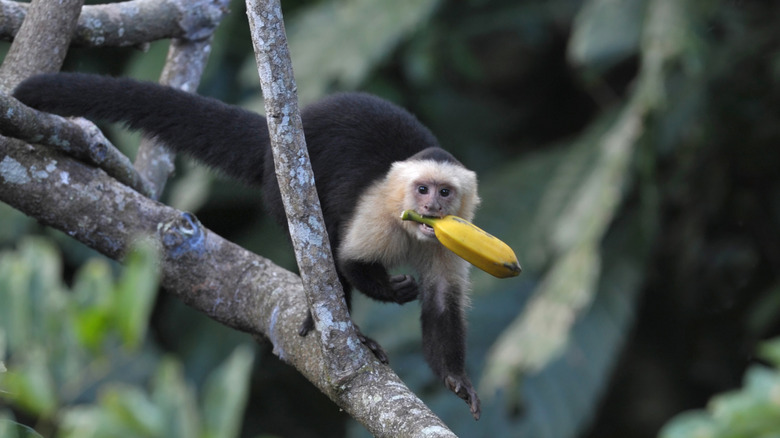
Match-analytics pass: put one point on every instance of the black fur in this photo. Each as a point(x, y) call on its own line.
point(183, 121)
point(352, 138)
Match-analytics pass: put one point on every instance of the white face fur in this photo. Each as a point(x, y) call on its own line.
point(436, 189)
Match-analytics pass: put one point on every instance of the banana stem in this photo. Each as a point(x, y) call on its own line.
point(411, 215)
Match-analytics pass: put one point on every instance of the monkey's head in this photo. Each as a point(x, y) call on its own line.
point(435, 189)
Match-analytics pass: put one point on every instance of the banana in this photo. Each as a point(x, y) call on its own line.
point(471, 243)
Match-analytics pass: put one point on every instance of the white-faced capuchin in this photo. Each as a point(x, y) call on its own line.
point(371, 159)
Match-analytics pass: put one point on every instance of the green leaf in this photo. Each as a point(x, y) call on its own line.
point(692, 424)
point(751, 411)
point(770, 351)
point(32, 386)
point(14, 313)
point(93, 303)
point(31, 292)
point(131, 409)
point(11, 429)
point(225, 393)
point(175, 400)
point(754, 409)
point(136, 291)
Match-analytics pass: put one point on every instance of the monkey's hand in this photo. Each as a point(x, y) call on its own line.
point(461, 386)
point(404, 288)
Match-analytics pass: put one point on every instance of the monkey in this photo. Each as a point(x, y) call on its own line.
point(371, 160)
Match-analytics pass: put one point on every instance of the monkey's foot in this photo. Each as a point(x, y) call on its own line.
point(372, 345)
point(307, 325)
point(379, 352)
point(461, 386)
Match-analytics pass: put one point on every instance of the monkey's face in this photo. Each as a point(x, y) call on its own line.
point(435, 199)
point(432, 189)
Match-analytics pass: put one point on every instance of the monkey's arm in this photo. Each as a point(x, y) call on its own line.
point(444, 340)
point(373, 280)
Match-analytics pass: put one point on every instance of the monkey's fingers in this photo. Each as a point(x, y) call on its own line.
point(461, 386)
point(404, 287)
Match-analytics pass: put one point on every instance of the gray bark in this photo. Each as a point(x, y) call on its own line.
point(130, 23)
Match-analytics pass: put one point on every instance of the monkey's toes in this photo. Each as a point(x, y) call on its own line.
point(372, 345)
point(461, 386)
point(307, 325)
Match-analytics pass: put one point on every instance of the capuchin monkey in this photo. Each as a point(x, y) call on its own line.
point(371, 159)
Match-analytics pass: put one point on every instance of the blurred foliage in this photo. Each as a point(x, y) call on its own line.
point(75, 359)
point(751, 411)
point(627, 150)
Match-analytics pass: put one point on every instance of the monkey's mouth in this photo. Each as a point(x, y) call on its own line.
point(426, 229)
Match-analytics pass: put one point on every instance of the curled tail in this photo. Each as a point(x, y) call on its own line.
point(223, 136)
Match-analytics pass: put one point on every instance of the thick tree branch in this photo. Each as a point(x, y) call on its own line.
point(77, 137)
point(377, 400)
point(129, 23)
point(228, 283)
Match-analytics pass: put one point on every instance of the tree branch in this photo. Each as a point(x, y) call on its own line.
point(226, 282)
point(128, 23)
point(59, 19)
point(377, 399)
point(77, 137)
point(299, 194)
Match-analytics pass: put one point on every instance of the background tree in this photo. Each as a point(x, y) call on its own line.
point(626, 150)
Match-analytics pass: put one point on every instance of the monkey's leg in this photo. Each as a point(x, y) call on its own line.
point(444, 343)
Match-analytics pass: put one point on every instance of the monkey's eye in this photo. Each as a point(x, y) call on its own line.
point(444, 193)
point(423, 190)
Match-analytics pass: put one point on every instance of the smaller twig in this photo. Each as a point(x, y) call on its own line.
point(77, 137)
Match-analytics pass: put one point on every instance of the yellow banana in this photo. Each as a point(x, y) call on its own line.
point(471, 243)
